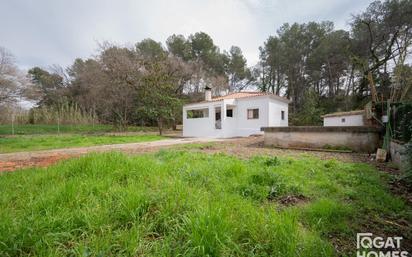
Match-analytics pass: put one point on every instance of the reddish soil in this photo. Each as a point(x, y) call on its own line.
point(32, 162)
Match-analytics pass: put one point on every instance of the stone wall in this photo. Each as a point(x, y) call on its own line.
point(397, 151)
point(359, 139)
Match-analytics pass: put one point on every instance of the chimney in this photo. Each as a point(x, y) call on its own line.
point(208, 93)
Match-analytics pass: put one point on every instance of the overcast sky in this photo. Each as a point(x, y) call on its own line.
point(47, 32)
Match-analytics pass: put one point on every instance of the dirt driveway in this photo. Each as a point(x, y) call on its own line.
point(241, 147)
point(13, 161)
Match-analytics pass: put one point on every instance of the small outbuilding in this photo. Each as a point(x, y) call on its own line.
point(345, 119)
point(235, 114)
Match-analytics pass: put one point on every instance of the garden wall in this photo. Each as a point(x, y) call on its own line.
point(359, 139)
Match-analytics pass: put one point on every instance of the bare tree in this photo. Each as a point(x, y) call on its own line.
point(13, 82)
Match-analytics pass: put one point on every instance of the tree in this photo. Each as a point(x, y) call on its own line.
point(381, 34)
point(289, 61)
point(13, 83)
point(150, 49)
point(50, 86)
point(122, 68)
point(87, 86)
point(237, 71)
point(211, 63)
point(402, 87)
point(157, 96)
point(310, 113)
point(273, 65)
point(179, 46)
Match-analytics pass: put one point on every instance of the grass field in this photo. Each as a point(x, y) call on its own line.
point(181, 203)
point(52, 129)
point(43, 142)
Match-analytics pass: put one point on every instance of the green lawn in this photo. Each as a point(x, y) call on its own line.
point(52, 129)
point(180, 203)
point(42, 142)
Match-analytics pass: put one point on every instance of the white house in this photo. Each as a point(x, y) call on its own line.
point(232, 115)
point(344, 119)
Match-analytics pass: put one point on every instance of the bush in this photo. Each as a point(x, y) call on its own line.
point(310, 114)
point(401, 121)
point(408, 172)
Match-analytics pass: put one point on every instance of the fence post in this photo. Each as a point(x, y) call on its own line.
point(12, 123)
point(58, 124)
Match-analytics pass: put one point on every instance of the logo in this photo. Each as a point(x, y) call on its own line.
point(368, 245)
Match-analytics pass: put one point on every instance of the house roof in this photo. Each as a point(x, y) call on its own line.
point(338, 114)
point(239, 95)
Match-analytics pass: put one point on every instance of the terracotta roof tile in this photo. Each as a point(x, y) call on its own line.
point(238, 95)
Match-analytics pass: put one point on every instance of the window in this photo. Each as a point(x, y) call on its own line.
point(229, 112)
point(282, 115)
point(197, 113)
point(252, 114)
point(343, 120)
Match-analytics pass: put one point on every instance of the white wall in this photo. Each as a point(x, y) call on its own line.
point(245, 126)
point(238, 125)
point(275, 118)
point(350, 120)
point(201, 127)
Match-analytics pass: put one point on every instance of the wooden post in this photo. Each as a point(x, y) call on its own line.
point(12, 123)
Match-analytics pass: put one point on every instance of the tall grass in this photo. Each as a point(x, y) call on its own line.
point(176, 203)
point(37, 129)
point(64, 114)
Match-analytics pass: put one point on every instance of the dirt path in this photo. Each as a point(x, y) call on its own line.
point(13, 161)
point(250, 146)
point(241, 147)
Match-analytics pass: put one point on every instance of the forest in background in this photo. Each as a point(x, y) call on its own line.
point(321, 69)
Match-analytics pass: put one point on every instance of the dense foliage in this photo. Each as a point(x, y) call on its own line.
point(407, 177)
point(340, 66)
point(402, 121)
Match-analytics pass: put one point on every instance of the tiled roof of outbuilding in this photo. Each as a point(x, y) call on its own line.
point(337, 114)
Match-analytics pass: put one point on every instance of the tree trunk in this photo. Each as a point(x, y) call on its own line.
point(160, 125)
point(174, 124)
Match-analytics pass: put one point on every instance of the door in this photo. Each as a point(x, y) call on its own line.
point(218, 118)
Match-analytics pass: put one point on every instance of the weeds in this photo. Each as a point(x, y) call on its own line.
point(177, 203)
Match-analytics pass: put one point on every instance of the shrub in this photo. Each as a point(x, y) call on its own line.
point(274, 161)
point(401, 121)
point(408, 172)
